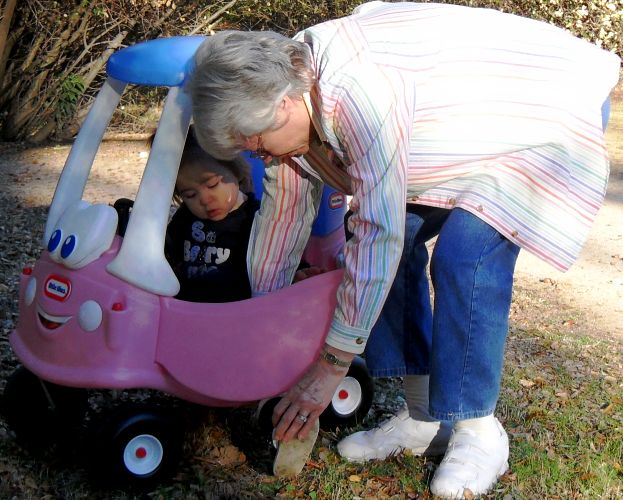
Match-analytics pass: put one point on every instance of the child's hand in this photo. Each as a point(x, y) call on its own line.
point(308, 272)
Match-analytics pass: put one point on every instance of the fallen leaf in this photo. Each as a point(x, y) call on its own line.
point(526, 383)
point(385, 479)
point(228, 455)
point(608, 409)
point(354, 478)
point(313, 464)
point(508, 477)
point(540, 381)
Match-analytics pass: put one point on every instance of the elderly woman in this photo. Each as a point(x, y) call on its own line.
point(479, 127)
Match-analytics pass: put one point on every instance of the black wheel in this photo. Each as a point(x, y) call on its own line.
point(352, 399)
point(40, 412)
point(138, 446)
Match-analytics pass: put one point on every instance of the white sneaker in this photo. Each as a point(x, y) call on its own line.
point(473, 462)
point(293, 455)
point(399, 433)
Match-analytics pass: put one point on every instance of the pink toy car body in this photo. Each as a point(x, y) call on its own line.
point(87, 328)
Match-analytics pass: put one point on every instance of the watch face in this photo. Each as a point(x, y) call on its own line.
point(333, 359)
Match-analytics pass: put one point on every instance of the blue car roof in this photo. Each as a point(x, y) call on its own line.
point(159, 62)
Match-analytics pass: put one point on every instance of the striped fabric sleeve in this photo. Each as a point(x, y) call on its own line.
point(372, 123)
point(281, 226)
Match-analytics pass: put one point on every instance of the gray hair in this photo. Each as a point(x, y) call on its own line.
point(238, 80)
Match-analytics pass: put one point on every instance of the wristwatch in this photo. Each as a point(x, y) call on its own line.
point(332, 359)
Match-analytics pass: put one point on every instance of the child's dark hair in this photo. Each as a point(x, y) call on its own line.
point(193, 152)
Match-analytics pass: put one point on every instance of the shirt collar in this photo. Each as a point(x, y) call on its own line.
point(314, 115)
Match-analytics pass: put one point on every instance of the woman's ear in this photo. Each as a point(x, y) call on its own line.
point(292, 105)
point(289, 102)
point(250, 143)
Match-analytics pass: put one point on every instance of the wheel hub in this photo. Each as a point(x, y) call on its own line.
point(143, 454)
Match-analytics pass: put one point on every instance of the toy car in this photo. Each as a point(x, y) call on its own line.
point(97, 311)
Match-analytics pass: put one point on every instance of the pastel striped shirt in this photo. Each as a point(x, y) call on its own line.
point(445, 106)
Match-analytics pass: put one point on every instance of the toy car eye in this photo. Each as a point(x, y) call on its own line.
point(68, 246)
point(55, 239)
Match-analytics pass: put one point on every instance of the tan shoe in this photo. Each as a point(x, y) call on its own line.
point(292, 456)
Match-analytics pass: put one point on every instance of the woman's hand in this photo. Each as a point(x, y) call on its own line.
point(308, 398)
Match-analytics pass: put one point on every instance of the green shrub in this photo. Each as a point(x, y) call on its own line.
point(598, 21)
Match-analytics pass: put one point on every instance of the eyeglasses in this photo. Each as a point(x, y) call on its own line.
point(259, 153)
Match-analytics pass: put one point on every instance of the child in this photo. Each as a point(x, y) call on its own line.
point(207, 238)
point(206, 245)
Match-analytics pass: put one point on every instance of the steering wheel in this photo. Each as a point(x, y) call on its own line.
point(123, 206)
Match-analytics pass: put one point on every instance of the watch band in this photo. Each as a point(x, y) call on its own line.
point(332, 359)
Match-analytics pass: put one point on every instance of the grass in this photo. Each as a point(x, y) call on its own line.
point(565, 418)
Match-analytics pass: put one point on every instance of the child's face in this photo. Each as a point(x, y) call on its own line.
point(209, 191)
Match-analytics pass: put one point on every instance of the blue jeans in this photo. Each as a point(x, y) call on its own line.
point(461, 344)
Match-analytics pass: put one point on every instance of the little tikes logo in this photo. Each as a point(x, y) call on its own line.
point(336, 200)
point(57, 287)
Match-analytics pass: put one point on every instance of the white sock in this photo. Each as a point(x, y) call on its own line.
point(481, 425)
point(416, 394)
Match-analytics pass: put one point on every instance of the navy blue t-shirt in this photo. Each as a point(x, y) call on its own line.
point(208, 257)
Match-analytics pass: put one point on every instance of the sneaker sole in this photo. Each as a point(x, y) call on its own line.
point(460, 494)
point(293, 455)
point(416, 452)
